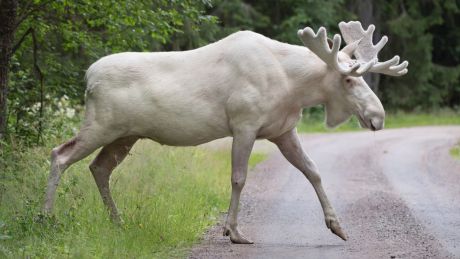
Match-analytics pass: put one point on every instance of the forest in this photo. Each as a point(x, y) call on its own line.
point(46, 46)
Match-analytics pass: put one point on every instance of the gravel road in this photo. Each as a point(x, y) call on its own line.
point(396, 193)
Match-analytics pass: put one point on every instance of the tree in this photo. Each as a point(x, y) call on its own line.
point(414, 27)
point(58, 40)
point(8, 9)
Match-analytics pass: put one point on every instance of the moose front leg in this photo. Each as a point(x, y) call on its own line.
point(241, 150)
point(289, 145)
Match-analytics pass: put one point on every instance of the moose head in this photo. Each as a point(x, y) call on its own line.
point(347, 91)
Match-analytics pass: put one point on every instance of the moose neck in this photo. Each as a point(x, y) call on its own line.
point(306, 72)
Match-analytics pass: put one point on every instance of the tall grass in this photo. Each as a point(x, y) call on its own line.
point(168, 196)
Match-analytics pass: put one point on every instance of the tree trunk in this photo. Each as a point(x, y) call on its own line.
point(8, 10)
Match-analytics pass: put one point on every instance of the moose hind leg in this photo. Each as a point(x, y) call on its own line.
point(61, 158)
point(102, 166)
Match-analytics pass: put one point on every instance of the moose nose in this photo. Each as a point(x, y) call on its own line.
point(376, 124)
point(375, 118)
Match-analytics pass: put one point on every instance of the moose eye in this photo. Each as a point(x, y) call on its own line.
point(348, 83)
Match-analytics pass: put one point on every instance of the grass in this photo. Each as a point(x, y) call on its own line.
point(256, 158)
point(393, 120)
point(455, 151)
point(168, 197)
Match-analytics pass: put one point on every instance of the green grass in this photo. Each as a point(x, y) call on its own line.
point(392, 120)
point(256, 158)
point(168, 198)
point(455, 151)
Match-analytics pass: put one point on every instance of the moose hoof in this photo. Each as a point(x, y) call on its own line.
point(117, 220)
point(236, 237)
point(335, 228)
point(47, 211)
point(47, 208)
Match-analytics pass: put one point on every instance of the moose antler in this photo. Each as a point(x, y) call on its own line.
point(359, 44)
point(318, 44)
point(366, 50)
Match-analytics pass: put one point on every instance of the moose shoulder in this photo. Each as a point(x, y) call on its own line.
point(246, 86)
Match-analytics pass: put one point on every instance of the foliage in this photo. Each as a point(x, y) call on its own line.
point(424, 33)
point(289, 16)
point(72, 34)
point(237, 15)
point(278, 19)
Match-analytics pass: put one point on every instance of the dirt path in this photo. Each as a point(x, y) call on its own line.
point(396, 193)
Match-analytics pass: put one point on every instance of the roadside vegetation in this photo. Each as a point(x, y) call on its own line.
point(168, 197)
point(313, 120)
point(455, 151)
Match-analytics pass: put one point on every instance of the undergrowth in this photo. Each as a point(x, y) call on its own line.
point(167, 196)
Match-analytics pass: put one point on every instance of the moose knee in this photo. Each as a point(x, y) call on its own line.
point(58, 161)
point(313, 177)
point(54, 153)
point(238, 180)
point(99, 172)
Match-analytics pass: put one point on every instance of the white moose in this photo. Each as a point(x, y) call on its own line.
point(245, 85)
